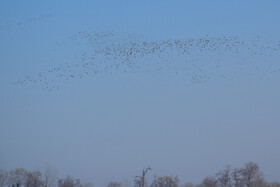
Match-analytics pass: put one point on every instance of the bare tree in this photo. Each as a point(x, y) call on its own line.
point(49, 176)
point(69, 182)
point(273, 184)
point(188, 184)
point(236, 175)
point(224, 178)
point(209, 182)
point(126, 183)
point(88, 185)
point(3, 177)
point(34, 179)
point(251, 175)
point(17, 177)
point(139, 181)
point(114, 184)
point(166, 181)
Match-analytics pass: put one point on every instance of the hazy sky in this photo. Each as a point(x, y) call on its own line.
point(109, 126)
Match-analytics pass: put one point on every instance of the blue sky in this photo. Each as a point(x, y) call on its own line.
point(110, 126)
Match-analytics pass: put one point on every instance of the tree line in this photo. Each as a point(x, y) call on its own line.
point(249, 175)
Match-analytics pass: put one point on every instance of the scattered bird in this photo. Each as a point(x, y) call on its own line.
point(26, 21)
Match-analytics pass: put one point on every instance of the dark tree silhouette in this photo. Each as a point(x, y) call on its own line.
point(140, 180)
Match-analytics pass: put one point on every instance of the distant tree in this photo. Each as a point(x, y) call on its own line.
point(209, 182)
point(188, 184)
point(114, 184)
point(17, 177)
point(126, 183)
point(49, 176)
point(224, 177)
point(3, 177)
point(34, 179)
point(251, 175)
point(166, 181)
point(69, 182)
point(273, 184)
point(236, 176)
point(139, 181)
point(88, 185)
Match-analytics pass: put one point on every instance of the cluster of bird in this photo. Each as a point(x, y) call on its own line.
point(196, 59)
point(26, 21)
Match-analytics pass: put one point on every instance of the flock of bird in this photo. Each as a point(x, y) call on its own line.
point(26, 21)
point(197, 60)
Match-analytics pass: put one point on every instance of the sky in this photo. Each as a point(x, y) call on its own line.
point(179, 113)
